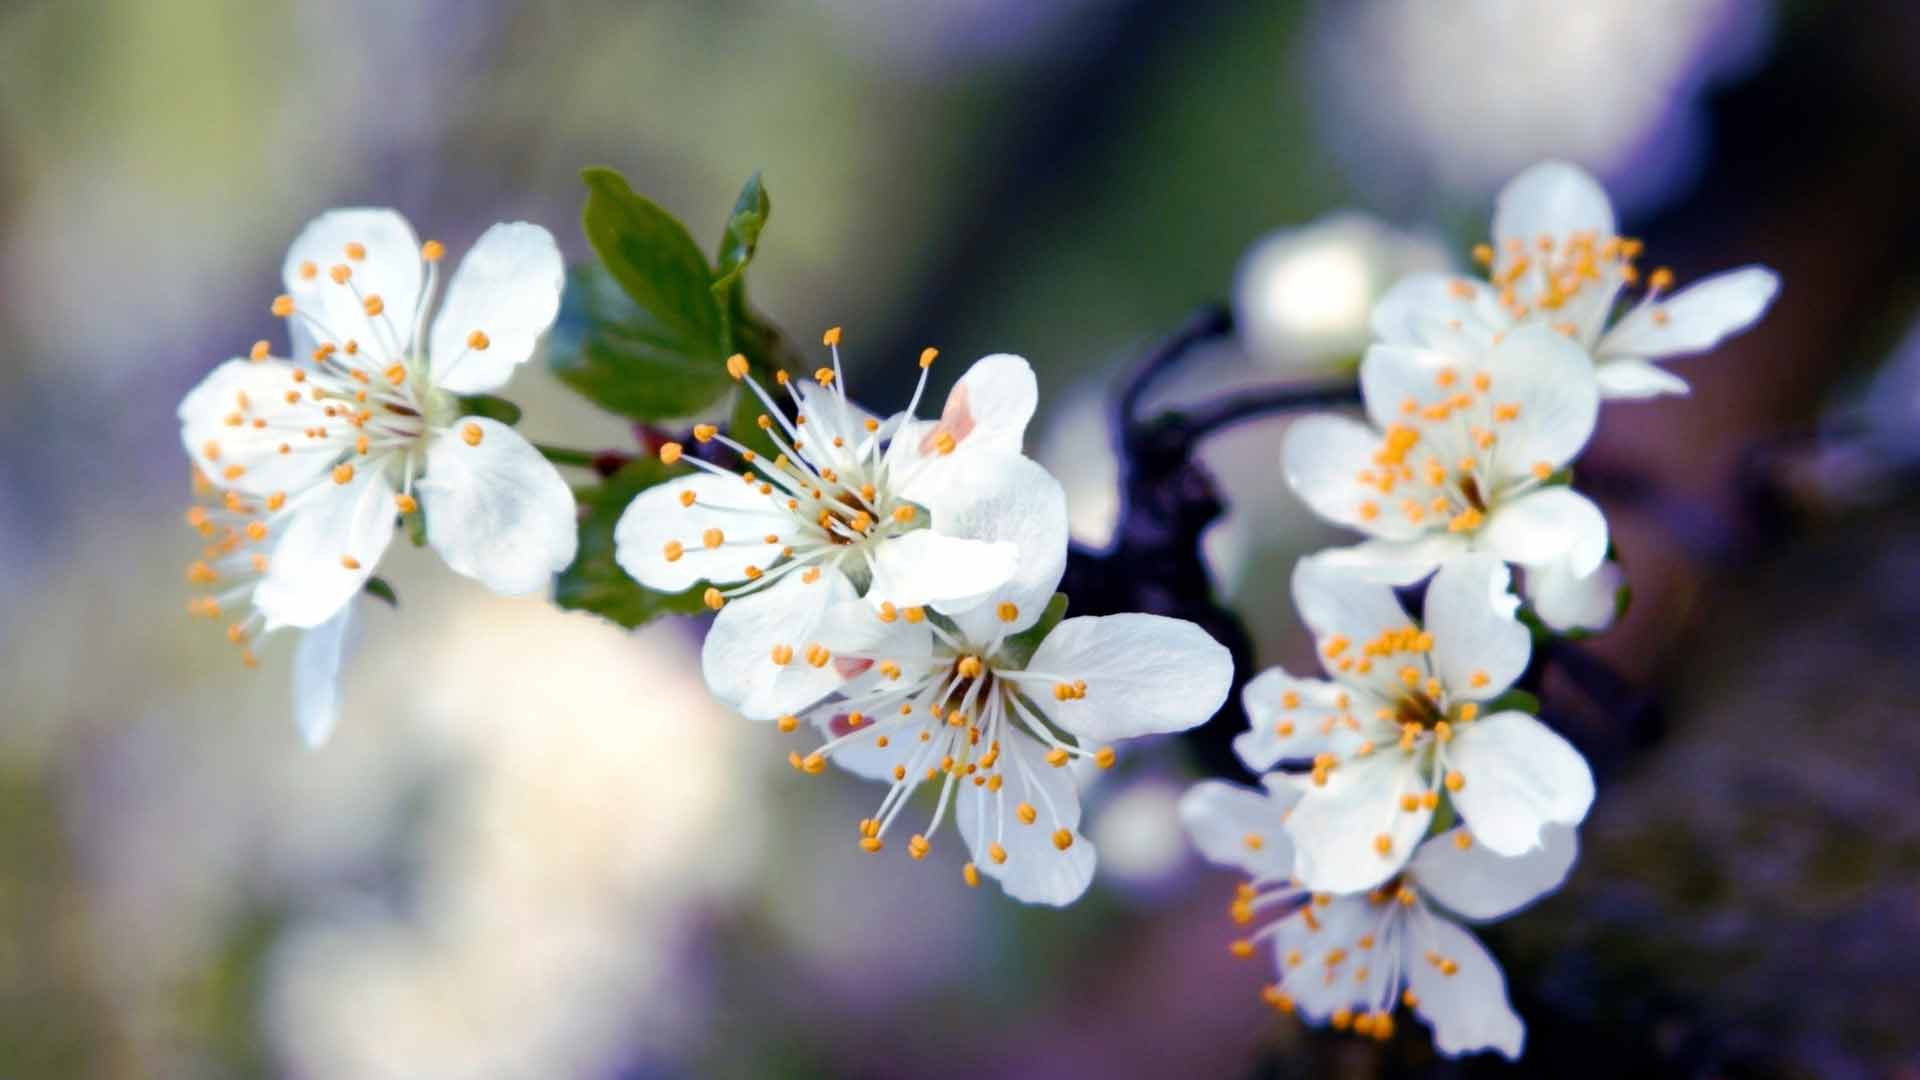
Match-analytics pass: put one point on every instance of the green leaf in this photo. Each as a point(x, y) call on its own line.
point(643, 334)
point(742, 236)
point(378, 588)
point(493, 408)
point(595, 582)
point(605, 347)
point(1515, 700)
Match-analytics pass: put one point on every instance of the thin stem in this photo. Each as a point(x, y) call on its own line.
point(1209, 325)
point(1232, 409)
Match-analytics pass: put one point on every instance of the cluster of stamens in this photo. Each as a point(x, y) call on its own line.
point(1543, 281)
point(948, 716)
point(1369, 962)
point(837, 497)
point(232, 559)
point(1440, 464)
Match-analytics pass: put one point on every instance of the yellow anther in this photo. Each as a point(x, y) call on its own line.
point(356, 251)
point(1105, 757)
point(1482, 381)
point(1254, 841)
point(1462, 840)
point(1342, 1018)
point(997, 853)
point(349, 562)
point(670, 453)
point(1409, 802)
point(1062, 839)
point(1468, 711)
point(1443, 731)
point(1479, 679)
point(915, 614)
point(374, 304)
point(1369, 511)
point(862, 521)
point(944, 443)
point(818, 655)
point(713, 599)
point(432, 251)
point(1445, 378)
point(1241, 948)
point(831, 338)
point(918, 846)
point(870, 844)
point(1660, 279)
point(276, 500)
point(1026, 813)
point(259, 351)
point(1057, 757)
point(903, 514)
point(1455, 781)
point(343, 473)
point(283, 305)
point(1466, 520)
point(782, 654)
point(1542, 470)
point(478, 341)
point(823, 376)
point(308, 271)
point(1383, 844)
point(340, 273)
point(1483, 254)
point(396, 373)
point(970, 874)
point(737, 366)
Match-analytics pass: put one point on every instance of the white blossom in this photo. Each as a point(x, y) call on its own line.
point(969, 702)
point(1462, 453)
point(1352, 961)
point(851, 506)
point(1400, 725)
point(1558, 261)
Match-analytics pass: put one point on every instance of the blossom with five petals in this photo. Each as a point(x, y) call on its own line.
point(970, 702)
point(363, 424)
point(1400, 725)
point(1352, 961)
point(852, 505)
point(1463, 453)
point(1557, 261)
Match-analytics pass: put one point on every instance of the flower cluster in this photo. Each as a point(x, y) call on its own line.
point(1409, 788)
point(889, 585)
point(305, 465)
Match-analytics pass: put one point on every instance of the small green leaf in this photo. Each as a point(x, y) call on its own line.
point(605, 347)
point(493, 408)
point(595, 581)
point(643, 334)
point(378, 588)
point(1514, 700)
point(742, 236)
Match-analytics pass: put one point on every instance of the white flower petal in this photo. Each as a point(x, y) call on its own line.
point(1036, 871)
point(1145, 675)
point(1553, 199)
point(738, 657)
point(1479, 646)
point(317, 663)
point(1240, 827)
point(657, 518)
point(1550, 379)
point(1336, 603)
point(389, 270)
point(1551, 525)
point(988, 409)
point(1449, 312)
point(1568, 601)
point(497, 511)
point(1628, 379)
point(1478, 883)
point(247, 391)
point(507, 288)
point(927, 566)
point(1323, 456)
point(826, 415)
point(1296, 719)
point(1467, 1010)
point(331, 537)
point(1396, 562)
point(1336, 827)
point(1336, 925)
point(1008, 499)
point(1520, 777)
point(1696, 318)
